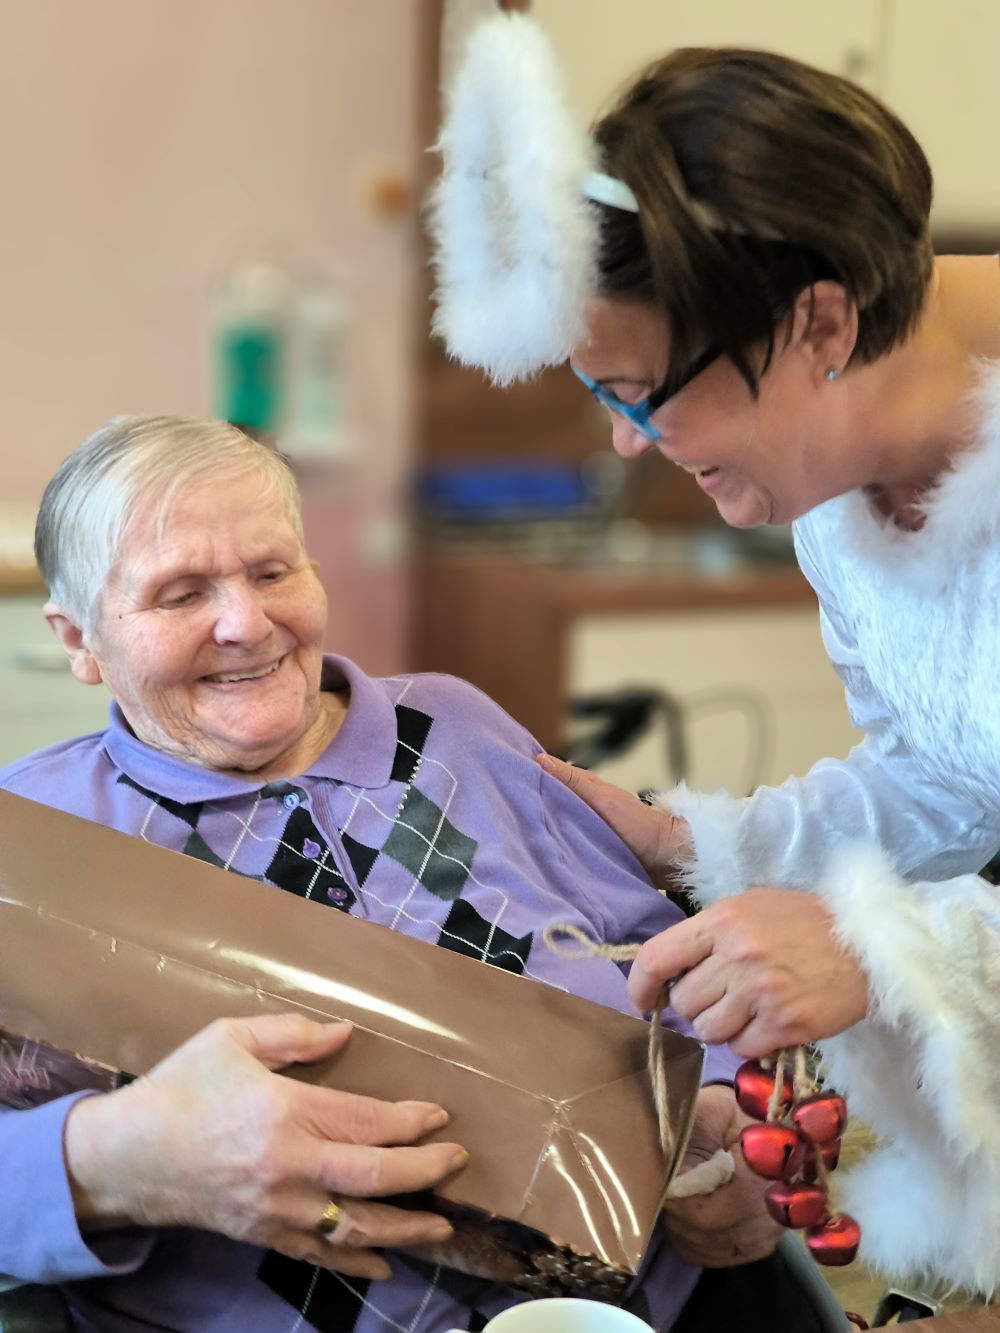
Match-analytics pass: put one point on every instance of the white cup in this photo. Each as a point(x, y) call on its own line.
point(565, 1314)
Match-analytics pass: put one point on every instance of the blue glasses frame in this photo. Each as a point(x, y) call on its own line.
point(639, 413)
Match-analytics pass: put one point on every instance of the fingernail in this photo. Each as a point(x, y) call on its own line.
point(437, 1119)
point(458, 1160)
point(441, 1231)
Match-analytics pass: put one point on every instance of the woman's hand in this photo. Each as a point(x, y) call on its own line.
point(213, 1138)
point(657, 839)
point(731, 1225)
point(760, 971)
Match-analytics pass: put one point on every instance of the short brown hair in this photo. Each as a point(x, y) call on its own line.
point(756, 176)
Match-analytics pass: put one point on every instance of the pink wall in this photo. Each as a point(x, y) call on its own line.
point(145, 148)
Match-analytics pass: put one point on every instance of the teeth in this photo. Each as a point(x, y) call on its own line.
point(228, 678)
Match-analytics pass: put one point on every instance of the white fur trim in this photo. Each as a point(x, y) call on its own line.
point(924, 1218)
point(515, 240)
point(715, 868)
point(961, 512)
point(924, 1069)
point(932, 956)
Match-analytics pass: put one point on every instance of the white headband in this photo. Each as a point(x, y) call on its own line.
point(515, 236)
point(606, 190)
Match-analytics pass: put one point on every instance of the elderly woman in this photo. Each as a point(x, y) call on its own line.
point(199, 1196)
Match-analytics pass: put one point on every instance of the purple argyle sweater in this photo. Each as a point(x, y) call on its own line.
point(426, 814)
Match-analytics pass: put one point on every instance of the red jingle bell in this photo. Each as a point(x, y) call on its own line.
point(773, 1151)
point(754, 1085)
point(830, 1153)
point(820, 1118)
point(795, 1206)
point(835, 1241)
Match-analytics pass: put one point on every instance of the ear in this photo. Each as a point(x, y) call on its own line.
point(82, 661)
point(825, 327)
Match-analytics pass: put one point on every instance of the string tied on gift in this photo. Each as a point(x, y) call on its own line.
point(705, 1177)
point(586, 947)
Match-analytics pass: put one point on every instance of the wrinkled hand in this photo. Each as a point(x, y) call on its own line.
point(657, 839)
point(213, 1138)
point(760, 971)
point(730, 1226)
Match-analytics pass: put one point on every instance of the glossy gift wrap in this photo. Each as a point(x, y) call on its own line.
point(117, 951)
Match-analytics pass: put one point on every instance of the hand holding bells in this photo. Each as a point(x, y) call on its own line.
point(795, 1147)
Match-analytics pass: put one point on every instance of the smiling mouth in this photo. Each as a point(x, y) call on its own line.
point(698, 471)
point(234, 677)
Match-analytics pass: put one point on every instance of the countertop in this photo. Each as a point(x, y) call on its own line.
point(503, 619)
point(629, 567)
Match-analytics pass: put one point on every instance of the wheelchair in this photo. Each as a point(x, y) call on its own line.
point(788, 1282)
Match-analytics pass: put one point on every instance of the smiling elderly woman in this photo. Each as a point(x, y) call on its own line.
point(174, 554)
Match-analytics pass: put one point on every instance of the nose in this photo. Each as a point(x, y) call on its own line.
point(626, 441)
point(240, 615)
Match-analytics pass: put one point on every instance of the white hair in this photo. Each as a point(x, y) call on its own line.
point(94, 497)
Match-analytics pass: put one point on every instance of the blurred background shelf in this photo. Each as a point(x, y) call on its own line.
point(127, 205)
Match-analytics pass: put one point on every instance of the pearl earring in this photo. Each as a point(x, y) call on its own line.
point(832, 374)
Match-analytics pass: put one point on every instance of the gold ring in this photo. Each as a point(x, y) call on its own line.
point(330, 1220)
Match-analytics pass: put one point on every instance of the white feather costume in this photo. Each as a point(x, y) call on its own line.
point(891, 838)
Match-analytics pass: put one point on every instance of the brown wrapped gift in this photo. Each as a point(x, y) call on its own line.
point(117, 951)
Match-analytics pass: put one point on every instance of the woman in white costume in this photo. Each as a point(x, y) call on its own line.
point(765, 310)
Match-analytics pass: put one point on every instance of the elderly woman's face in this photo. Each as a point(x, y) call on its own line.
point(210, 631)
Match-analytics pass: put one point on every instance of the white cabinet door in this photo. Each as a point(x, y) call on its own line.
point(40, 702)
point(759, 697)
point(941, 74)
point(602, 43)
point(937, 65)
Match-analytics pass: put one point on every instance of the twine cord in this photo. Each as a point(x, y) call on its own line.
point(788, 1060)
point(625, 953)
point(793, 1059)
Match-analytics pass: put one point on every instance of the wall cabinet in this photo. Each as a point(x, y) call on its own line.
point(937, 65)
point(940, 70)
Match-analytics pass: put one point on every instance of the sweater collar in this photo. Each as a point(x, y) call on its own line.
point(361, 754)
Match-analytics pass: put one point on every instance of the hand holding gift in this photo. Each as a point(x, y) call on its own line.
point(212, 1138)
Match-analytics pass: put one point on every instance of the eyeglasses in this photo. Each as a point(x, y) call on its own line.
point(639, 413)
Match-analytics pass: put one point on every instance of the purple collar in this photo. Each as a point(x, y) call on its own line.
point(360, 754)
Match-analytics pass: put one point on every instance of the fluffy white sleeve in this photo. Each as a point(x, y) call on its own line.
point(891, 853)
point(879, 794)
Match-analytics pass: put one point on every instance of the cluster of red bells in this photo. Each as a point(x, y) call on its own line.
point(795, 1153)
